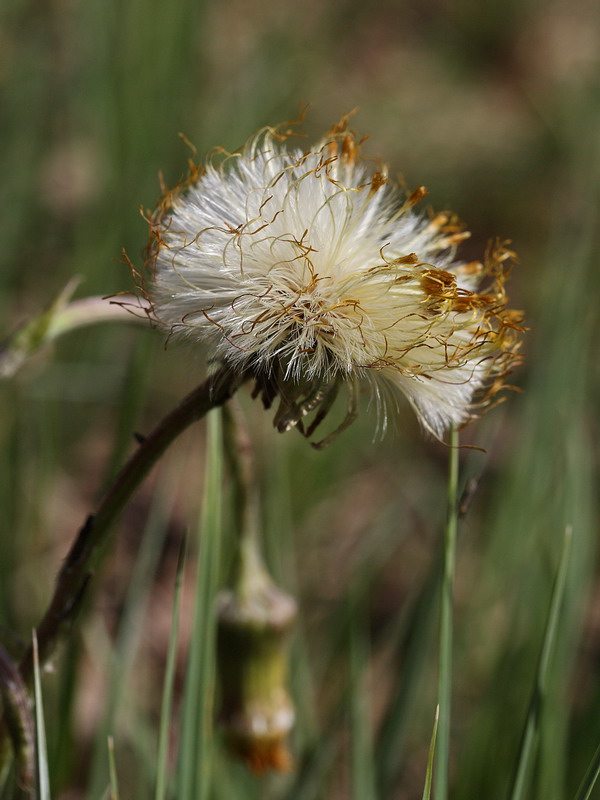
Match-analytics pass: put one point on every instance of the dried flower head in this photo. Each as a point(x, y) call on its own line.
point(311, 270)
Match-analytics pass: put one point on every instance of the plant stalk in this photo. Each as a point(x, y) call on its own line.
point(446, 626)
point(79, 565)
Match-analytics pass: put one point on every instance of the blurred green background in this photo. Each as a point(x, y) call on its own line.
point(495, 108)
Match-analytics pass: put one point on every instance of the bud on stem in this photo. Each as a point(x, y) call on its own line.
point(254, 618)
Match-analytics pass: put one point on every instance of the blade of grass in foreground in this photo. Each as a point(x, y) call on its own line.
point(195, 768)
point(363, 771)
point(528, 740)
point(121, 664)
point(167, 698)
point(112, 770)
point(40, 729)
point(445, 648)
point(429, 773)
point(590, 778)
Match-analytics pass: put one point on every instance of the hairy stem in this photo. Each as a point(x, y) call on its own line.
point(19, 722)
point(240, 456)
point(82, 558)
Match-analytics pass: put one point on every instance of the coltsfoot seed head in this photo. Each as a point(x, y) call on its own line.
point(311, 270)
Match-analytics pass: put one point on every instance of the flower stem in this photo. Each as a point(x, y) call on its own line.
point(249, 571)
point(239, 455)
point(445, 641)
point(19, 722)
point(79, 565)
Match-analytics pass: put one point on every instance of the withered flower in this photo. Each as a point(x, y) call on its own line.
point(310, 270)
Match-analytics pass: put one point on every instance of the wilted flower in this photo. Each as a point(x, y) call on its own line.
point(311, 270)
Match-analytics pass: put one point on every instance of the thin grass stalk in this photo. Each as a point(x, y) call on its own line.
point(363, 767)
point(446, 624)
point(196, 756)
point(430, 758)
point(590, 778)
point(112, 770)
point(527, 750)
point(212, 529)
point(167, 697)
point(40, 727)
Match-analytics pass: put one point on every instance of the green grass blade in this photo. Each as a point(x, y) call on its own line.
point(528, 739)
point(446, 626)
point(430, 759)
point(363, 772)
point(195, 770)
point(167, 698)
point(40, 728)
point(590, 778)
point(112, 770)
point(121, 665)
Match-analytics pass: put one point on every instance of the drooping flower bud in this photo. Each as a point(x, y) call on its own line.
point(62, 316)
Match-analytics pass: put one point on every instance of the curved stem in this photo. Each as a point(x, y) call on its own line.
point(20, 726)
point(82, 558)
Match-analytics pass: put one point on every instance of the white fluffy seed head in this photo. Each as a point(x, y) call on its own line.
point(311, 265)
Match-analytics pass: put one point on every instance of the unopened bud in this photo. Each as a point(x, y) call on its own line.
point(254, 618)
